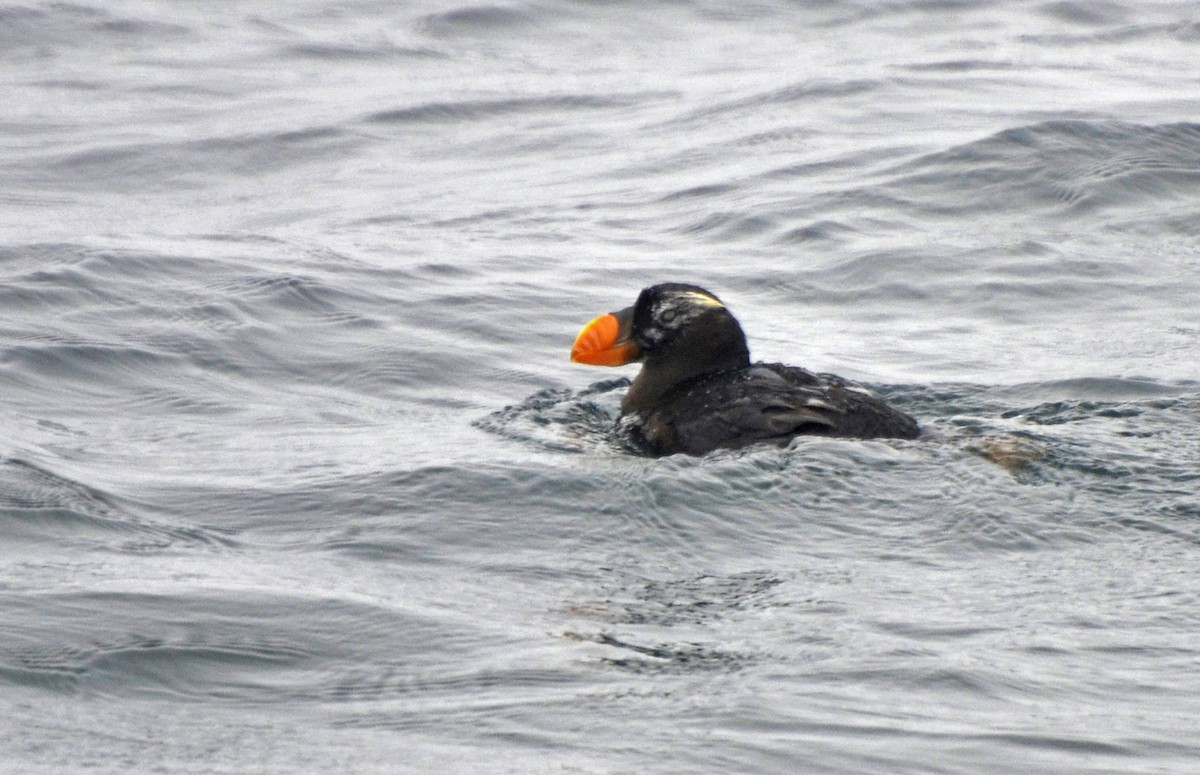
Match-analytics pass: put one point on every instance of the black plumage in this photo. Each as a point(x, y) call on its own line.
point(698, 391)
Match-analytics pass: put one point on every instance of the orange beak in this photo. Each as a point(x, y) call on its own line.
point(606, 341)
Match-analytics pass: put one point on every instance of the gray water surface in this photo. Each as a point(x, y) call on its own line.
point(295, 475)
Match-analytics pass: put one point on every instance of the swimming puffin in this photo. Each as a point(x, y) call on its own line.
point(697, 390)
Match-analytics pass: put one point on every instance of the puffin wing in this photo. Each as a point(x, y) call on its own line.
point(766, 402)
point(758, 406)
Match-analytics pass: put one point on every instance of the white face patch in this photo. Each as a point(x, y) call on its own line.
point(675, 311)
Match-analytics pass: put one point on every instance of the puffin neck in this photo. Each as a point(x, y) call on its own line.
point(701, 351)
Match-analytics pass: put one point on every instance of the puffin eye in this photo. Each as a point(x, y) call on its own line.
point(667, 316)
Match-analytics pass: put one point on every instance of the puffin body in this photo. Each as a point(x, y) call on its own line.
point(698, 391)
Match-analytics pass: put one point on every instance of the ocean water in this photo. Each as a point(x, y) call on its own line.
point(295, 475)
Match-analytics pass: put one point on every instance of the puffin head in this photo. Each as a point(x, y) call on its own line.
point(677, 331)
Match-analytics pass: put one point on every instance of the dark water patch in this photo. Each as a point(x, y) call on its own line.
point(1186, 31)
point(1091, 14)
point(37, 505)
point(818, 231)
point(55, 359)
point(959, 66)
point(41, 256)
point(812, 169)
point(926, 676)
point(659, 658)
point(1096, 389)
point(945, 400)
point(674, 625)
point(1133, 455)
point(1065, 167)
point(36, 32)
point(124, 291)
point(128, 166)
point(1158, 413)
point(357, 52)
point(1132, 461)
point(728, 226)
point(59, 289)
point(408, 508)
point(700, 192)
point(300, 297)
point(561, 419)
point(1059, 744)
point(66, 21)
point(48, 263)
point(131, 319)
point(802, 92)
point(1059, 412)
point(1005, 284)
point(151, 31)
point(475, 20)
point(148, 166)
point(291, 293)
point(921, 631)
point(1147, 33)
point(250, 648)
point(542, 502)
point(82, 85)
point(782, 137)
point(698, 600)
point(431, 700)
point(886, 274)
point(270, 151)
point(148, 317)
point(201, 398)
point(478, 110)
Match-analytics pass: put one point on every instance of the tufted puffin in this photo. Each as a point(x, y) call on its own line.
point(697, 390)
